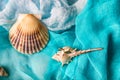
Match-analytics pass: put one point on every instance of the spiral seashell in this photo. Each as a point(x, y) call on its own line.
point(65, 54)
point(28, 35)
point(3, 72)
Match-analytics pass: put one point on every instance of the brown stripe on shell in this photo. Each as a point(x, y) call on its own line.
point(24, 48)
point(29, 38)
point(45, 33)
point(18, 46)
point(21, 42)
point(35, 45)
point(12, 35)
point(32, 44)
point(38, 41)
point(44, 38)
point(38, 37)
point(33, 37)
point(12, 38)
point(22, 39)
point(25, 42)
point(15, 39)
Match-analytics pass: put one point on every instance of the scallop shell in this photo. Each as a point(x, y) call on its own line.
point(28, 35)
point(3, 72)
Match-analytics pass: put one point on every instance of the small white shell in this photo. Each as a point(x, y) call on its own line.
point(3, 72)
point(28, 35)
point(66, 54)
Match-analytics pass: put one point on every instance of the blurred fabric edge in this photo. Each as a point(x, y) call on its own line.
point(63, 20)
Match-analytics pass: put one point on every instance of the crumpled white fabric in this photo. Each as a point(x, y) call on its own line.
point(57, 15)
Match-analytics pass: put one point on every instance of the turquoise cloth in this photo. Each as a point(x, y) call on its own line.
point(98, 25)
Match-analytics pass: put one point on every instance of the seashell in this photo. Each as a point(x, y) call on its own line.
point(65, 54)
point(28, 35)
point(3, 72)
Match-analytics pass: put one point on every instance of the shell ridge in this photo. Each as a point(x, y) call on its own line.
point(28, 35)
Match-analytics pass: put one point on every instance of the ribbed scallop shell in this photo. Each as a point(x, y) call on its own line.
point(3, 72)
point(28, 35)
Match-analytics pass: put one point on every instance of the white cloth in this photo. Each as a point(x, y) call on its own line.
point(57, 15)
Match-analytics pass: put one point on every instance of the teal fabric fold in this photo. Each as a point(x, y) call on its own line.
point(98, 25)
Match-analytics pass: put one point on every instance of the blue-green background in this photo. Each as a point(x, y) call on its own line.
point(98, 25)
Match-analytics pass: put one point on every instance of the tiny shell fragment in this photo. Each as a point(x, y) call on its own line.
point(3, 72)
